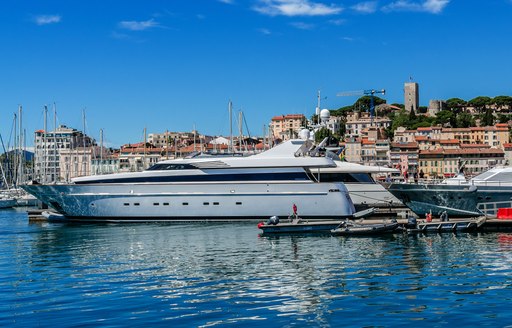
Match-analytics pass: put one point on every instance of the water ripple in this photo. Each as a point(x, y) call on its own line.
point(226, 274)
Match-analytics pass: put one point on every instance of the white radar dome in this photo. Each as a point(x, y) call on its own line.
point(304, 134)
point(325, 115)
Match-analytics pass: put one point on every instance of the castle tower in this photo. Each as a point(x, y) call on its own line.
point(411, 96)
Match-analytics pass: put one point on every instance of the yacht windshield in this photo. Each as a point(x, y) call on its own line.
point(346, 177)
point(485, 175)
point(171, 166)
point(501, 177)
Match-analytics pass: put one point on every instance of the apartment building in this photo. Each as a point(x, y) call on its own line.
point(358, 123)
point(48, 147)
point(287, 127)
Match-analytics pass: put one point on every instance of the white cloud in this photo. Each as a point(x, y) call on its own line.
point(295, 8)
point(337, 22)
point(429, 6)
point(264, 31)
point(435, 6)
point(47, 19)
point(367, 7)
point(302, 25)
point(138, 25)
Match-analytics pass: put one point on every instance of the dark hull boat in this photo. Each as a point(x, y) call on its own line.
point(351, 229)
point(482, 195)
point(457, 201)
point(299, 227)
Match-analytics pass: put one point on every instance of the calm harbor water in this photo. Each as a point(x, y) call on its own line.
point(204, 274)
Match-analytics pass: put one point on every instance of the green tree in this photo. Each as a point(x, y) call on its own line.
point(322, 133)
point(363, 104)
point(456, 104)
point(502, 118)
point(399, 119)
point(503, 101)
point(464, 120)
point(342, 111)
point(445, 117)
point(412, 114)
point(487, 119)
point(480, 103)
point(421, 122)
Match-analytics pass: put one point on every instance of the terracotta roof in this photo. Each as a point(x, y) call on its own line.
point(467, 130)
point(421, 138)
point(424, 129)
point(473, 151)
point(507, 145)
point(432, 152)
point(475, 146)
point(404, 144)
point(288, 117)
point(216, 146)
point(449, 141)
point(461, 151)
point(368, 142)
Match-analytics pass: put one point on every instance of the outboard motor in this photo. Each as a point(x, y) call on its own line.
point(273, 220)
point(411, 222)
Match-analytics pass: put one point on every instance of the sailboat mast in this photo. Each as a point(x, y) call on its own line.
point(20, 147)
point(54, 157)
point(240, 137)
point(84, 166)
point(230, 128)
point(144, 161)
point(14, 178)
point(45, 150)
point(101, 151)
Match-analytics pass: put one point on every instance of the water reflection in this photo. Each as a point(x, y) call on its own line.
point(219, 274)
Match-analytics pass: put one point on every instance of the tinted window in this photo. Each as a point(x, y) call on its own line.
point(346, 177)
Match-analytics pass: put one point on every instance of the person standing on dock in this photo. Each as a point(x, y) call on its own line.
point(295, 216)
point(444, 217)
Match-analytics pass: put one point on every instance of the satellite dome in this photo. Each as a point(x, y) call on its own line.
point(325, 114)
point(304, 134)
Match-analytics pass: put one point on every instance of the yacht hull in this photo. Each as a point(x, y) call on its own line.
point(456, 200)
point(7, 203)
point(212, 201)
point(366, 195)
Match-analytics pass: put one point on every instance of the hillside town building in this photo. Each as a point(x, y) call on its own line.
point(287, 127)
point(47, 152)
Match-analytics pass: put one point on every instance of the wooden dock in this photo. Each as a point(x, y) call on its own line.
point(484, 224)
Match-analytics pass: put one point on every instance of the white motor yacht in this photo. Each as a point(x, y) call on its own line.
point(229, 188)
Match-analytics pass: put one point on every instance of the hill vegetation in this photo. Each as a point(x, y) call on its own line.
point(457, 113)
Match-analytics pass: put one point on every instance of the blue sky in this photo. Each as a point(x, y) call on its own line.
point(175, 64)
